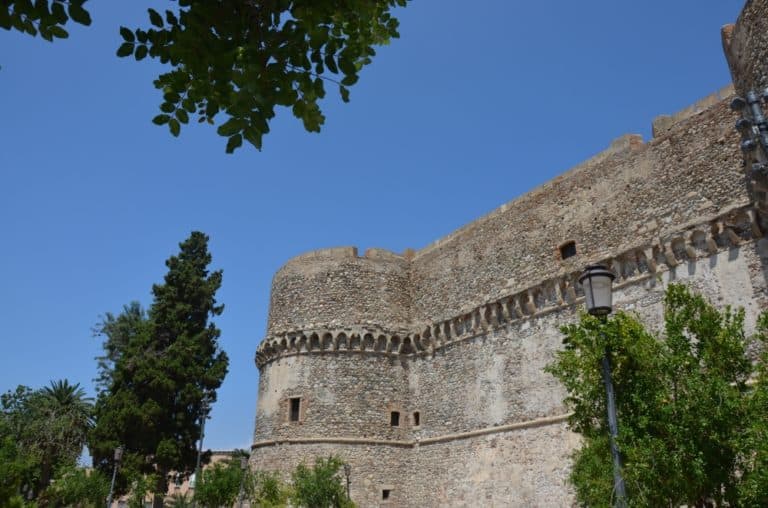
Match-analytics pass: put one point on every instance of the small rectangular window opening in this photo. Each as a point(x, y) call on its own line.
point(385, 493)
point(295, 405)
point(394, 418)
point(416, 419)
point(568, 250)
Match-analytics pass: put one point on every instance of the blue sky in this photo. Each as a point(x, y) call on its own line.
point(477, 103)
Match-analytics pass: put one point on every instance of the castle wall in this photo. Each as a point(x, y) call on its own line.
point(746, 47)
point(491, 379)
point(628, 196)
point(460, 331)
point(349, 395)
point(336, 287)
point(374, 468)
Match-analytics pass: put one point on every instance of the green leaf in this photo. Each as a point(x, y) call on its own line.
point(127, 34)
point(59, 32)
point(344, 91)
point(346, 66)
point(234, 142)
point(79, 15)
point(155, 18)
point(189, 105)
point(349, 80)
point(331, 64)
point(167, 107)
point(125, 49)
point(230, 127)
point(141, 52)
point(182, 116)
point(171, 17)
point(161, 119)
point(174, 127)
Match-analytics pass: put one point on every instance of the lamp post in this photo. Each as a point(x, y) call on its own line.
point(597, 281)
point(753, 127)
point(205, 407)
point(243, 467)
point(347, 472)
point(118, 458)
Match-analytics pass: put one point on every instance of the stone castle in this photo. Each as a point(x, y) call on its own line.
point(423, 370)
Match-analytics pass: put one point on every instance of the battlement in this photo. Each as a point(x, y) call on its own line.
point(627, 197)
point(434, 360)
point(690, 243)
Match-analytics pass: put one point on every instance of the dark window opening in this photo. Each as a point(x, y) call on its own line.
point(568, 250)
point(385, 493)
point(295, 405)
point(416, 419)
point(394, 418)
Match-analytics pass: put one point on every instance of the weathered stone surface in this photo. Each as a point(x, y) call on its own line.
point(454, 337)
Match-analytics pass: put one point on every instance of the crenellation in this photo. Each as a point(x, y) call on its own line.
point(461, 330)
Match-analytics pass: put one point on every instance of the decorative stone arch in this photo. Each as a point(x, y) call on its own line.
point(314, 342)
point(677, 245)
point(355, 344)
point(341, 342)
point(698, 240)
point(418, 343)
point(394, 344)
point(406, 348)
point(326, 344)
point(369, 343)
point(283, 345)
point(381, 343)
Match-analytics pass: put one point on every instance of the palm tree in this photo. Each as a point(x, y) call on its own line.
point(67, 417)
point(67, 399)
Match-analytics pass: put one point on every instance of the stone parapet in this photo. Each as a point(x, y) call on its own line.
point(691, 242)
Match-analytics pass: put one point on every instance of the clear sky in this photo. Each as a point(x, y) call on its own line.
point(476, 103)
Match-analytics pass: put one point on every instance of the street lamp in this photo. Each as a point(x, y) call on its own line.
point(597, 281)
point(347, 472)
point(243, 467)
point(118, 458)
point(205, 407)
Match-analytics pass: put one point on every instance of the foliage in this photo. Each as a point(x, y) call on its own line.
point(219, 485)
point(178, 500)
point(79, 488)
point(119, 331)
point(40, 430)
point(160, 369)
point(753, 488)
point(46, 18)
point(140, 487)
point(683, 404)
point(269, 491)
point(320, 486)
point(237, 57)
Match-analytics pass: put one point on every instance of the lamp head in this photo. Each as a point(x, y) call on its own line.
point(597, 281)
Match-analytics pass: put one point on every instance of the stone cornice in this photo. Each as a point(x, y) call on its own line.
point(702, 239)
point(412, 443)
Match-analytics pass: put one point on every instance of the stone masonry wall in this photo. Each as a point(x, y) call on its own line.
point(746, 47)
point(621, 198)
point(335, 287)
point(459, 332)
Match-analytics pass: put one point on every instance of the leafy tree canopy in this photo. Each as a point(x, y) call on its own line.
point(158, 369)
point(320, 485)
point(691, 430)
point(220, 484)
point(40, 431)
point(240, 58)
